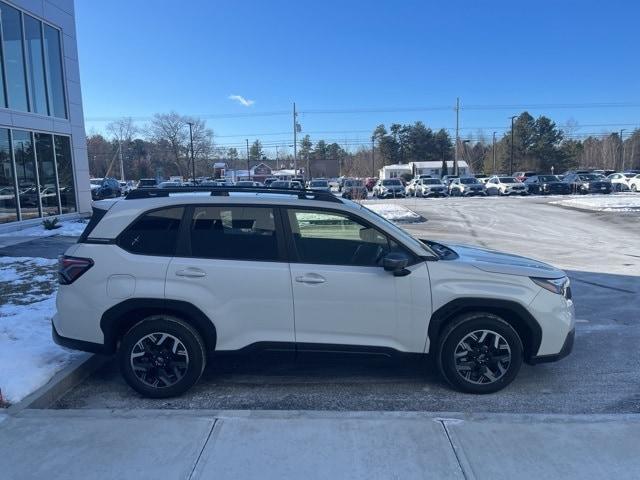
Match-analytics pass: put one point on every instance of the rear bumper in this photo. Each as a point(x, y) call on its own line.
point(566, 349)
point(74, 344)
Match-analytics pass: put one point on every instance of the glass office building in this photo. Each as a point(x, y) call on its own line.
point(43, 157)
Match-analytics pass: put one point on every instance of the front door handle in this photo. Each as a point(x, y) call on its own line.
point(191, 273)
point(310, 278)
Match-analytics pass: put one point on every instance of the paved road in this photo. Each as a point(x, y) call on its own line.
point(601, 253)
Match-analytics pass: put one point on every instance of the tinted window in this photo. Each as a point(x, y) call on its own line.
point(433, 181)
point(65, 173)
point(47, 174)
point(155, 233)
point(238, 233)
point(14, 57)
point(508, 180)
point(468, 181)
point(37, 86)
point(8, 204)
point(391, 182)
point(55, 80)
point(335, 239)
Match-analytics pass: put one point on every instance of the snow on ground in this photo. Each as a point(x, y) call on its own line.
point(28, 355)
point(394, 212)
point(69, 228)
point(622, 202)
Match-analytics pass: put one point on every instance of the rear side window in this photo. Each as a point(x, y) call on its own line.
point(154, 233)
point(234, 233)
point(98, 213)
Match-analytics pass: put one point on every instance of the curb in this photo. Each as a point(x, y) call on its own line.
point(63, 381)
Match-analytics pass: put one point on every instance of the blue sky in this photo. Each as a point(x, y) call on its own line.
point(357, 55)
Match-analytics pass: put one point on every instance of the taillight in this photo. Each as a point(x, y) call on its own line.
point(72, 268)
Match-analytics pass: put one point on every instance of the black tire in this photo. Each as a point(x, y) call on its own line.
point(191, 343)
point(465, 325)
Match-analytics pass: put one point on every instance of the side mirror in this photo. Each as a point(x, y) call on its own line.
point(396, 263)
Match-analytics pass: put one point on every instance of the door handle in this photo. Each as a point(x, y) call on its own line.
point(191, 273)
point(310, 279)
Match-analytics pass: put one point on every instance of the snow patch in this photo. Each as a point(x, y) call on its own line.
point(629, 202)
point(71, 228)
point(394, 212)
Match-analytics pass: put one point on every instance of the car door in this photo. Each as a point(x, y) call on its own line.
point(342, 296)
point(231, 264)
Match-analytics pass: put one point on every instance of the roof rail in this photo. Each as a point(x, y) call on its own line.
point(222, 191)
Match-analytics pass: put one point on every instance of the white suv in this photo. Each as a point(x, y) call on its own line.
point(501, 185)
point(165, 279)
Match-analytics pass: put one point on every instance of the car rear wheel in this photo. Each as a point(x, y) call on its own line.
point(479, 353)
point(161, 356)
point(634, 188)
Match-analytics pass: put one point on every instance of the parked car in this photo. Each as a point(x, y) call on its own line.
point(269, 180)
point(354, 189)
point(148, 183)
point(547, 184)
point(431, 187)
point(163, 282)
point(286, 184)
point(109, 188)
point(497, 185)
point(248, 183)
point(634, 183)
point(389, 188)
point(410, 188)
point(587, 183)
point(522, 176)
point(447, 179)
point(126, 186)
point(321, 185)
point(170, 184)
point(620, 181)
point(467, 187)
point(95, 183)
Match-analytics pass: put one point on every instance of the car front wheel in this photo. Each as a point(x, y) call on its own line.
point(479, 353)
point(161, 356)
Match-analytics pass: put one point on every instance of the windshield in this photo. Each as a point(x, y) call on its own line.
point(508, 180)
point(353, 183)
point(432, 181)
point(548, 178)
point(588, 178)
point(390, 182)
point(468, 181)
point(320, 183)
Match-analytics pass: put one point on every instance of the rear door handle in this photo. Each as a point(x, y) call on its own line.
point(191, 273)
point(310, 278)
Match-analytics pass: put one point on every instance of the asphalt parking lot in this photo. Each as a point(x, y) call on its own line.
point(600, 252)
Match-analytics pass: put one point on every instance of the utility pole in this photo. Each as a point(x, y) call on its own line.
point(622, 150)
point(494, 153)
point(455, 155)
point(277, 160)
point(121, 162)
point(248, 171)
point(373, 158)
point(295, 141)
point(193, 162)
point(511, 161)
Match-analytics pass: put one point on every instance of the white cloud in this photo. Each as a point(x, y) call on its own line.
point(241, 100)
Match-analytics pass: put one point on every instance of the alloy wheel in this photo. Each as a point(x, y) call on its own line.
point(482, 357)
point(159, 360)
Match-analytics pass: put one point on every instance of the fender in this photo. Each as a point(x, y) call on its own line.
point(120, 317)
point(515, 314)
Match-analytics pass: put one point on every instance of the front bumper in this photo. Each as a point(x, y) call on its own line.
point(398, 194)
point(566, 349)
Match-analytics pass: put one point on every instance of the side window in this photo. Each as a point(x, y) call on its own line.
point(155, 233)
point(234, 233)
point(335, 239)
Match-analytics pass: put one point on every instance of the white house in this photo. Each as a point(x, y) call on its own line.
point(394, 171)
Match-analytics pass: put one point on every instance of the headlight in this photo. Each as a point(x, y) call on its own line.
point(554, 285)
point(585, 185)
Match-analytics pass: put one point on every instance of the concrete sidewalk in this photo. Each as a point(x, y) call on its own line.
point(179, 444)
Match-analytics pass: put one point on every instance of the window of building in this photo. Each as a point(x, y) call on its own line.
point(35, 65)
point(55, 78)
point(335, 239)
point(155, 233)
point(25, 161)
point(64, 165)
point(47, 174)
point(239, 233)
point(14, 57)
point(8, 205)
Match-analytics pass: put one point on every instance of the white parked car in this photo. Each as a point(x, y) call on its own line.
point(410, 188)
point(431, 187)
point(501, 185)
point(620, 182)
point(634, 183)
point(388, 188)
point(167, 280)
point(467, 187)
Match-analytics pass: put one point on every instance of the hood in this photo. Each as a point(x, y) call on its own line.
point(498, 262)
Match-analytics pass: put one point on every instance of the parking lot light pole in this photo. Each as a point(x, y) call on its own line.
point(373, 158)
point(494, 153)
point(193, 162)
point(622, 150)
point(248, 171)
point(511, 161)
